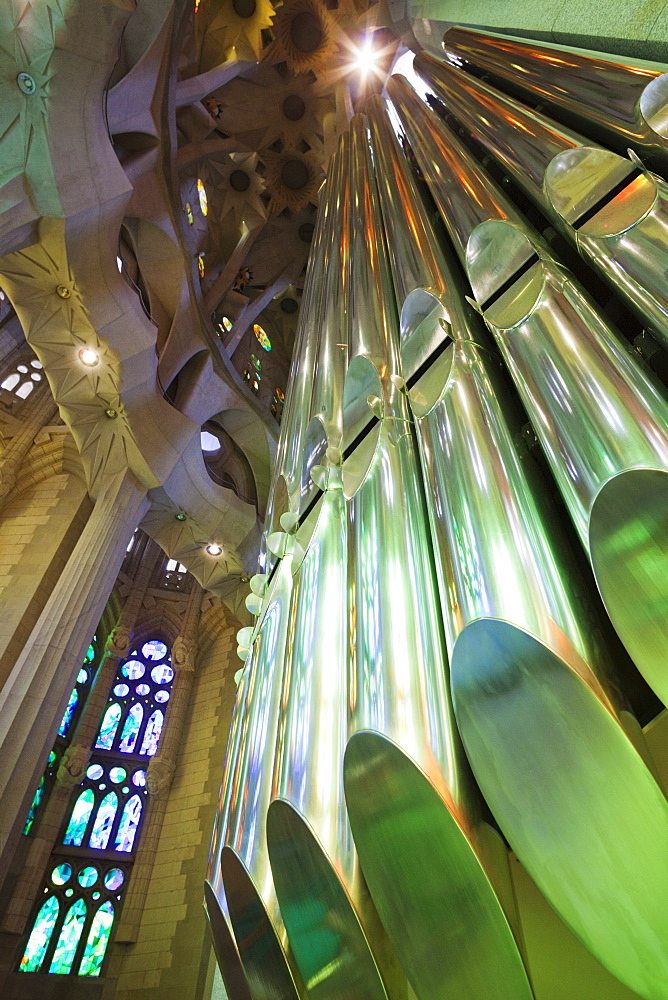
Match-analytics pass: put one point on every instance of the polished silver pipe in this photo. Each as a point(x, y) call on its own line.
point(320, 890)
point(601, 419)
point(617, 101)
point(246, 874)
point(612, 210)
point(224, 945)
point(526, 676)
point(332, 356)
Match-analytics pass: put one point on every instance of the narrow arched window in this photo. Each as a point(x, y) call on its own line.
point(97, 941)
point(40, 935)
point(152, 733)
point(104, 820)
point(68, 940)
point(109, 726)
point(79, 818)
point(127, 828)
point(131, 729)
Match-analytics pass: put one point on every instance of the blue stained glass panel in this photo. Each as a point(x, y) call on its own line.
point(127, 828)
point(154, 650)
point(162, 696)
point(76, 827)
point(133, 669)
point(131, 729)
point(63, 956)
point(162, 674)
point(112, 717)
point(98, 939)
point(104, 819)
point(40, 936)
point(114, 879)
point(69, 713)
point(61, 874)
point(152, 733)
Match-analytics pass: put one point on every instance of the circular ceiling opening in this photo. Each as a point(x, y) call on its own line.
point(293, 107)
point(244, 8)
point(294, 174)
point(306, 32)
point(240, 180)
point(289, 306)
point(306, 231)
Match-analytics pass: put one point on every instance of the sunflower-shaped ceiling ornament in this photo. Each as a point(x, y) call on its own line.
point(306, 37)
point(234, 188)
point(268, 107)
point(293, 179)
point(223, 25)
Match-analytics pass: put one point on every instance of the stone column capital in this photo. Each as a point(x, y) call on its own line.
point(183, 654)
point(118, 643)
point(159, 776)
point(73, 765)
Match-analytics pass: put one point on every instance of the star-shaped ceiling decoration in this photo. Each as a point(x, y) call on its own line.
point(293, 178)
point(269, 107)
point(306, 37)
point(234, 188)
point(234, 24)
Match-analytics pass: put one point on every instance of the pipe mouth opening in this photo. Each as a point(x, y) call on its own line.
point(363, 409)
point(571, 794)
point(328, 941)
point(427, 348)
point(263, 957)
point(431, 892)
point(225, 947)
point(506, 272)
point(654, 105)
point(597, 192)
point(628, 542)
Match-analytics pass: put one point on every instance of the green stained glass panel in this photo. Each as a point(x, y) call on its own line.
point(99, 837)
point(90, 653)
point(69, 713)
point(37, 798)
point(76, 827)
point(131, 729)
point(98, 939)
point(109, 726)
point(61, 874)
point(88, 876)
point(66, 947)
point(40, 936)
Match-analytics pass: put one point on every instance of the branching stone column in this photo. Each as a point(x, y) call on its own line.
point(76, 757)
point(33, 700)
point(161, 770)
point(43, 412)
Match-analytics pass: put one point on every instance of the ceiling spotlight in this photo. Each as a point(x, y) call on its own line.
point(88, 357)
point(213, 549)
point(181, 516)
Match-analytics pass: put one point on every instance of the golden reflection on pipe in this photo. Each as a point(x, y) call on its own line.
point(618, 103)
point(323, 899)
point(246, 872)
point(601, 419)
point(529, 685)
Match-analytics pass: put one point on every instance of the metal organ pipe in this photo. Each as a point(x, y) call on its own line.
point(517, 622)
point(620, 102)
point(601, 420)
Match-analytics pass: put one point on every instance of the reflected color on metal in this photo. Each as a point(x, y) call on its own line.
point(602, 422)
point(246, 872)
point(406, 754)
point(310, 844)
point(610, 208)
point(225, 946)
point(621, 104)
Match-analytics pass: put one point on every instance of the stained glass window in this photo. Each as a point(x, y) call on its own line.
point(200, 264)
point(98, 938)
point(104, 819)
point(81, 813)
point(261, 336)
point(40, 936)
point(70, 933)
point(189, 214)
point(109, 726)
point(201, 193)
point(127, 828)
